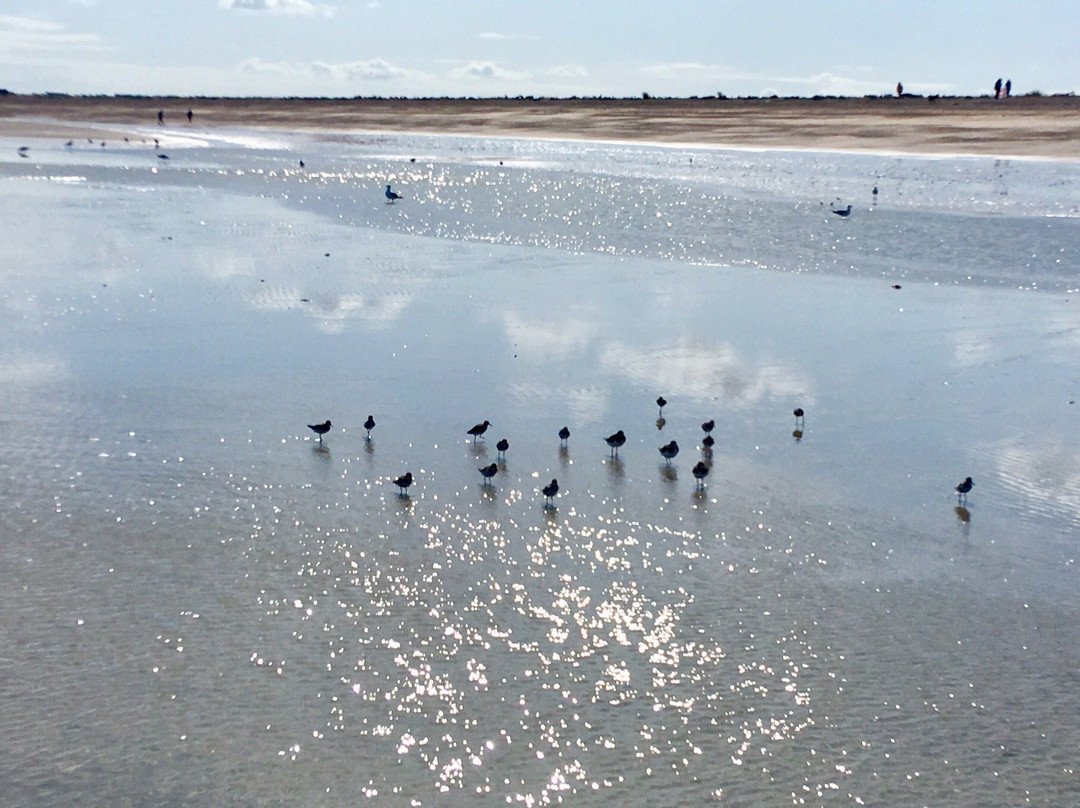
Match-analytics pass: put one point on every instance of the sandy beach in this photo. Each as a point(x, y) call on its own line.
point(1028, 126)
point(206, 605)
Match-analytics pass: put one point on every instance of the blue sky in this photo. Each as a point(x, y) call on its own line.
point(555, 48)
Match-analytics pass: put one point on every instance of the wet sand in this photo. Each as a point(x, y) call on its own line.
point(1028, 126)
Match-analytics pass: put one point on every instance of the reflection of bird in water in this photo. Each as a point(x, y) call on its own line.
point(661, 403)
point(669, 450)
point(502, 446)
point(369, 425)
point(963, 515)
point(615, 441)
point(963, 488)
point(700, 472)
point(843, 212)
point(403, 482)
point(487, 472)
point(708, 426)
point(797, 434)
point(320, 429)
point(391, 196)
point(478, 430)
point(549, 491)
point(564, 435)
point(800, 416)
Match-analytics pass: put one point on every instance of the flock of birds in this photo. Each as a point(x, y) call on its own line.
point(614, 441)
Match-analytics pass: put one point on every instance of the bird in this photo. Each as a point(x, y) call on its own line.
point(708, 425)
point(320, 429)
point(669, 451)
point(799, 415)
point(660, 402)
point(163, 157)
point(615, 441)
point(963, 488)
point(708, 441)
point(369, 425)
point(391, 196)
point(700, 472)
point(843, 212)
point(301, 164)
point(502, 446)
point(487, 472)
point(478, 430)
point(549, 491)
point(564, 435)
point(403, 482)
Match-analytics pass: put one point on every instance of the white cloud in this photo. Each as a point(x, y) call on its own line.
point(283, 7)
point(367, 70)
point(29, 35)
point(487, 71)
point(491, 35)
point(567, 71)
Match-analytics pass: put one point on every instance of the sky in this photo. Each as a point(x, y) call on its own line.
point(558, 48)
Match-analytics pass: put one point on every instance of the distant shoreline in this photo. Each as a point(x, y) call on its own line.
point(1024, 126)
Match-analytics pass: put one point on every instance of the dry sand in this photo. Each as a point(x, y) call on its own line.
point(1029, 126)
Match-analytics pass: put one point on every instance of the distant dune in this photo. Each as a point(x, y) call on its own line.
point(1029, 126)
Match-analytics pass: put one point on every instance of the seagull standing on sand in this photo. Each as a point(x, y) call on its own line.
point(320, 429)
point(843, 212)
point(391, 196)
point(669, 451)
point(369, 425)
point(564, 435)
point(963, 488)
point(615, 441)
point(549, 491)
point(478, 430)
point(403, 482)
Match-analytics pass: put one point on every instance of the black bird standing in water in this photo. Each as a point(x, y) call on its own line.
point(963, 488)
point(843, 212)
point(615, 441)
point(800, 416)
point(487, 472)
point(669, 451)
point(700, 472)
point(320, 429)
point(708, 426)
point(661, 403)
point(564, 435)
point(478, 430)
point(502, 446)
point(403, 482)
point(391, 196)
point(369, 425)
point(549, 491)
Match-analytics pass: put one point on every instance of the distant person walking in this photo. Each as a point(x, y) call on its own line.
point(189, 116)
point(1008, 88)
point(899, 89)
point(161, 117)
point(997, 89)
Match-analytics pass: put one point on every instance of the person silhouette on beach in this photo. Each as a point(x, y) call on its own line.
point(189, 116)
point(1008, 88)
point(997, 89)
point(161, 117)
point(899, 89)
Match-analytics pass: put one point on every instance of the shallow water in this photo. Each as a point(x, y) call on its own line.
point(203, 606)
